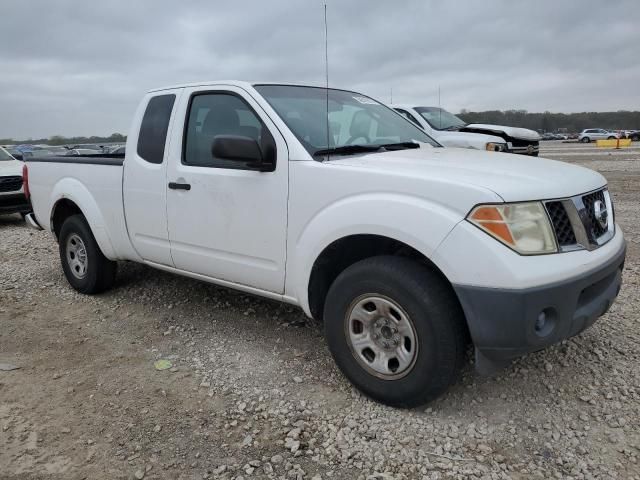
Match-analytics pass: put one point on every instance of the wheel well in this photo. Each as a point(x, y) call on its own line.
point(62, 210)
point(345, 252)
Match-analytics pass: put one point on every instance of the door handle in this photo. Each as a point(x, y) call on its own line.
point(179, 186)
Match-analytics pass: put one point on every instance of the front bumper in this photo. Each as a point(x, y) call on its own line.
point(508, 323)
point(521, 148)
point(14, 203)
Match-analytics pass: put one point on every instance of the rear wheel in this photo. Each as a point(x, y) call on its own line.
point(84, 265)
point(585, 140)
point(611, 138)
point(395, 329)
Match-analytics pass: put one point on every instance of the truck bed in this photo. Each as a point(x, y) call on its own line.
point(93, 182)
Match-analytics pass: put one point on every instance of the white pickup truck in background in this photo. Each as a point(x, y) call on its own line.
point(452, 131)
point(404, 249)
point(12, 197)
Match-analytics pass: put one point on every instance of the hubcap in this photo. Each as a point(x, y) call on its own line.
point(381, 336)
point(77, 256)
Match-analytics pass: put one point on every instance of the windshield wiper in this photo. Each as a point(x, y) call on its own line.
point(400, 145)
point(349, 149)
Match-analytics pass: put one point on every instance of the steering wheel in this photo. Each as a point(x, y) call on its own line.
point(352, 140)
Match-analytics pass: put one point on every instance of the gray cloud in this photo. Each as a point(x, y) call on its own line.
point(79, 68)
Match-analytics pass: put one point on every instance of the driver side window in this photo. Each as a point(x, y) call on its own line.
point(213, 114)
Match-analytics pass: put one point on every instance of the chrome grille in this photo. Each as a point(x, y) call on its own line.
point(577, 220)
point(561, 224)
point(589, 201)
point(10, 184)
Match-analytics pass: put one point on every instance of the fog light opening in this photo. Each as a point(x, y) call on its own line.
point(545, 322)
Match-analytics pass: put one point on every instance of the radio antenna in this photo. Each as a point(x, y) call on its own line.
point(326, 72)
point(439, 108)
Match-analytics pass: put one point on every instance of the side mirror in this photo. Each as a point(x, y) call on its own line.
point(235, 147)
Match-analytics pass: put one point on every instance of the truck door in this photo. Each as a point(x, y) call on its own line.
point(226, 220)
point(144, 184)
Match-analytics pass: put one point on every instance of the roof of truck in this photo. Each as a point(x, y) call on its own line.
point(235, 83)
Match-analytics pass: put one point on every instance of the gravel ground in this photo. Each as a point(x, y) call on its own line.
point(253, 393)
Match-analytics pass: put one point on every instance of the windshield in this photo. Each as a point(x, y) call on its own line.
point(4, 155)
point(354, 119)
point(440, 119)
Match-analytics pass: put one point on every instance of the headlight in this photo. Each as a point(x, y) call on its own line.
point(524, 227)
point(496, 147)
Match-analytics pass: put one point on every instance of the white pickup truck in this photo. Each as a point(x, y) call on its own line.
point(404, 249)
point(451, 131)
point(12, 198)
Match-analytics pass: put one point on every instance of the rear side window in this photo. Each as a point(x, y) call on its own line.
point(154, 127)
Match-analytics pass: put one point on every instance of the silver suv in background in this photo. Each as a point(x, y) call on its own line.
point(592, 134)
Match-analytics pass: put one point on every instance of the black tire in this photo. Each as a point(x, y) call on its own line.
point(585, 140)
point(535, 154)
point(635, 138)
point(611, 138)
point(435, 313)
point(100, 272)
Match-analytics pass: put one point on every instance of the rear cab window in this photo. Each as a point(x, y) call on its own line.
point(154, 127)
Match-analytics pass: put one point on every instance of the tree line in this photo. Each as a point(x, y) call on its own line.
point(552, 122)
point(542, 122)
point(61, 140)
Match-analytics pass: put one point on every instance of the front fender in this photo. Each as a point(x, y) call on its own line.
point(72, 189)
point(412, 220)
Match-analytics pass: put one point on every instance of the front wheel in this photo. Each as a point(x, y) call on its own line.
point(86, 268)
point(395, 329)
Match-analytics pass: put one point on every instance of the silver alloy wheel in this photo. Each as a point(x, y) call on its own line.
point(77, 256)
point(381, 336)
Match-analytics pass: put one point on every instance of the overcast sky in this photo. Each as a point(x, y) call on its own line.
point(80, 67)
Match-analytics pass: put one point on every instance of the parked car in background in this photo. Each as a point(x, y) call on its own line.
point(634, 135)
point(592, 134)
point(86, 146)
point(329, 200)
point(17, 154)
point(452, 131)
point(12, 197)
point(120, 150)
point(82, 151)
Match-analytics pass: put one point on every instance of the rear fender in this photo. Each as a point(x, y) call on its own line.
point(73, 190)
